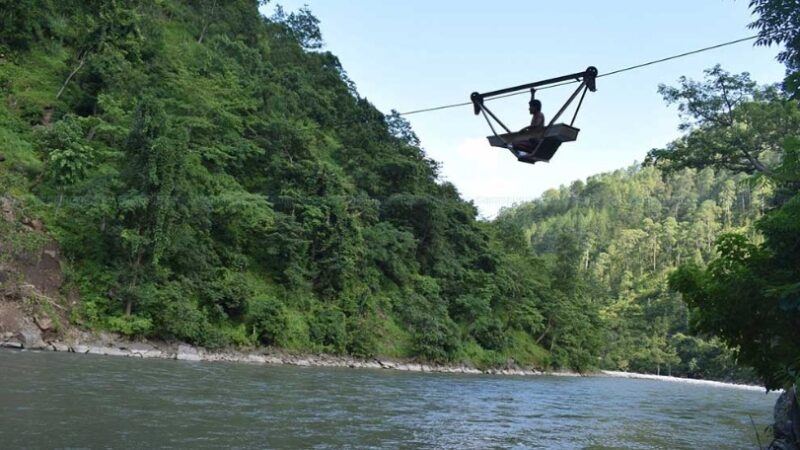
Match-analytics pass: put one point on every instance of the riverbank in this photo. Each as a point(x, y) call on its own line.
point(109, 344)
point(644, 376)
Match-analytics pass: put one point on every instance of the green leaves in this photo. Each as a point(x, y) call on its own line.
point(25, 22)
point(328, 329)
point(268, 320)
point(66, 151)
point(778, 23)
point(732, 124)
point(712, 101)
point(302, 25)
point(749, 294)
point(213, 177)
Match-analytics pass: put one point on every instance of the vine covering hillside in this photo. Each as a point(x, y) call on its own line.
point(213, 176)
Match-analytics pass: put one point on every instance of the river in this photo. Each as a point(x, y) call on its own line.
point(65, 400)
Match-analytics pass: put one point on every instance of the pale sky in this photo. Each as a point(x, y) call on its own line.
point(412, 54)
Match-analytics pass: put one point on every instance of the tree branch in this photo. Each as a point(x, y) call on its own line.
point(727, 101)
point(81, 61)
point(757, 165)
point(546, 330)
point(208, 21)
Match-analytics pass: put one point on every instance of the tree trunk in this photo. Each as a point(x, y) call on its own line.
point(208, 21)
point(546, 330)
point(137, 263)
point(655, 256)
point(81, 61)
point(202, 34)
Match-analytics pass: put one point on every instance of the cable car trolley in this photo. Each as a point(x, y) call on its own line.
point(537, 144)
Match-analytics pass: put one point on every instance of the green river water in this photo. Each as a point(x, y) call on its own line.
point(70, 401)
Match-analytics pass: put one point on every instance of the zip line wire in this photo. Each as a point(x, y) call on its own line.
point(614, 72)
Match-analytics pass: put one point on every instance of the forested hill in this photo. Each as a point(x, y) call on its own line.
point(624, 232)
point(212, 176)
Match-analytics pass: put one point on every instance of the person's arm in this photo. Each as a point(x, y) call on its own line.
point(538, 121)
point(531, 126)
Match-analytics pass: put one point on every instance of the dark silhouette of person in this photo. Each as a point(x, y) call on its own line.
point(537, 118)
point(525, 147)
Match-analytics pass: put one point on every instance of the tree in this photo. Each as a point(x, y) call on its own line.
point(653, 231)
point(209, 7)
point(108, 26)
point(67, 155)
point(731, 122)
point(302, 25)
point(749, 298)
point(229, 186)
point(401, 129)
point(779, 23)
point(727, 196)
point(24, 22)
point(147, 207)
point(749, 295)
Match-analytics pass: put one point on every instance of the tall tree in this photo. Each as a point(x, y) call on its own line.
point(731, 123)
point(779, 23)
point(147, 207)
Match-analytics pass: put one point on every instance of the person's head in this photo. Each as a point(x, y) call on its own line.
point(535, 106)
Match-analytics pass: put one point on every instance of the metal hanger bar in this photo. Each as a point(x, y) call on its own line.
point(563, 108)
point(492, 128)
point(560, 112)
point(484, 108)
point(490, 123)
point(579, 105)
point(590, 72)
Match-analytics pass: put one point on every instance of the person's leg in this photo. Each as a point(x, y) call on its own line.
point(522, 148)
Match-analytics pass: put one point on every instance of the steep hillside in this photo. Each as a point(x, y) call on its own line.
point(212, 176)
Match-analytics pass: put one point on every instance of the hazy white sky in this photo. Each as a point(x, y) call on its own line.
point(418, 53)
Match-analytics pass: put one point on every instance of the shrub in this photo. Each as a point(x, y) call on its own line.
point(130, 326)
point(268, 318)
point(362, 337)
point(328, 328)
point(488, 331)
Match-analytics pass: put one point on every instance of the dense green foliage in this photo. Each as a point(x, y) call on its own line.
point(734, 240)
point(731, 123)
point(749, 295)
point(214, 177)
point(630, 229)
point(778, 23)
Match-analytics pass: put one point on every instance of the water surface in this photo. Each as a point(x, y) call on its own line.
point(62, 400)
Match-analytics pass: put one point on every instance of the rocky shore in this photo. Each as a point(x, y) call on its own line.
point(644, 376)
point(21, 329)
point(110, 344)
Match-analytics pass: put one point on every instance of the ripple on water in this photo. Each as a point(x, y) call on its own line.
point(88, 401)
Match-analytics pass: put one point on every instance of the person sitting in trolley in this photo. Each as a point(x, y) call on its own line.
point(526, 146)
